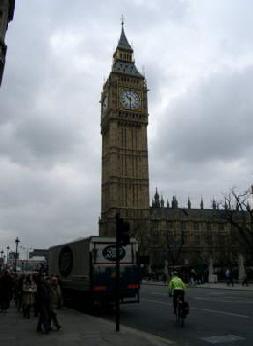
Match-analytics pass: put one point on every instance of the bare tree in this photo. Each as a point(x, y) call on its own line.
point(238, 211)
point(175, 242)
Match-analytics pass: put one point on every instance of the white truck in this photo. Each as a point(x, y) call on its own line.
point(86, 269)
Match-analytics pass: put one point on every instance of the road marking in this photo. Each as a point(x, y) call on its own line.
point(222, 339)
point(155, 301)
point(159, 294)
point(225, 313)
point(223, 301)
point(193, 308)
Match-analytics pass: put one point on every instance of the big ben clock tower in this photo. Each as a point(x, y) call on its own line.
point(124, 120)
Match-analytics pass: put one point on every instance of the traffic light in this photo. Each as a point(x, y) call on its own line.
point(122, 231)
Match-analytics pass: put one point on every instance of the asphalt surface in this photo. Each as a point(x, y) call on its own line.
point(221, 317)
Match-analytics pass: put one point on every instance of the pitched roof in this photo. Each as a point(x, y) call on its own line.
point(126, 67)
point(123, 43)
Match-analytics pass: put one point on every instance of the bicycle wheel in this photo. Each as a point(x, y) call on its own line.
point(177, 316)
point(180, 316)
point(181, 320)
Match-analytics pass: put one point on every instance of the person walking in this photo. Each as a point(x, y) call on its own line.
point(29, 290)
point(55, 301)
point(43, 305)
point(193, 277)
point(245, 280)
point(227, 276)
point(6, 291)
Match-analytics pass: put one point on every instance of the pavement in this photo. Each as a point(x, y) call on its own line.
point(77, 329)
point(218, 285)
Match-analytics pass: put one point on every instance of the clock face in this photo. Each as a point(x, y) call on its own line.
point(130, 99)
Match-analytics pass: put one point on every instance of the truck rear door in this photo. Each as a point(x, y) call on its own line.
point(104, 256)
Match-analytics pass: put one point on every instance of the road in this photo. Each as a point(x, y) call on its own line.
point(221, 317)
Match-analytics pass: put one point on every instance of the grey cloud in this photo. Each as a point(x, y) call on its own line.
point(212, 121)
point(46, 138)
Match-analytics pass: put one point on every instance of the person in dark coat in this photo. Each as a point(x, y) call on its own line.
point(245, 280)
point(43, 305)
point(6, 287)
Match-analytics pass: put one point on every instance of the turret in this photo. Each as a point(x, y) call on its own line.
point(201, 204)
point(162, 202)
point(156, 199)
point(174, 202)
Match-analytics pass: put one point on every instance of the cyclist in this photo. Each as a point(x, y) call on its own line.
point(176, 288)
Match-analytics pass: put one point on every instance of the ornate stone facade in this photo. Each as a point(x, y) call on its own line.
point(124, 120)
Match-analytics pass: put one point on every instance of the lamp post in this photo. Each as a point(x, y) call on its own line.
point(7, 259)
point(2, 260)
point(16, 253)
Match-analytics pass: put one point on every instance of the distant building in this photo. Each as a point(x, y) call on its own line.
point(12, 255)
point(39, 253)
point(7, 8)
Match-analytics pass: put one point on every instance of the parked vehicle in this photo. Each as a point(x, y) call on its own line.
point(86, 269)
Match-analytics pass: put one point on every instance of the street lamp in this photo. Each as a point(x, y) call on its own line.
point(2, 260)
point(16, 253)
point(8, 248)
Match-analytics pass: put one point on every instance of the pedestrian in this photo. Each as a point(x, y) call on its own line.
point(192, 277)
point(6, 291)
point(18, 291)
point(231, 278)
point(59, 288)
point(29, 290)
point(55, 301)
point(227, 276)
point(43, 305)
point(245, 280)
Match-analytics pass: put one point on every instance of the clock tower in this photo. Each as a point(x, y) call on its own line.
point(124, 120)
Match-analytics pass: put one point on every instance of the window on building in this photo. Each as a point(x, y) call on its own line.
point(197, 237)
point(221, 227)
point(184, 226)
point(185, 235)
point(209, 238)
point(196, 226)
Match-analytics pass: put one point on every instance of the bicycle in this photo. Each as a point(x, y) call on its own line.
point(182, 310)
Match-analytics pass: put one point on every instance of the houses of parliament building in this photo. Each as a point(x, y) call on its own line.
point(168, 235)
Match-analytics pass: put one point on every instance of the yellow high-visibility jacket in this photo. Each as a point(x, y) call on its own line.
point(176, 284)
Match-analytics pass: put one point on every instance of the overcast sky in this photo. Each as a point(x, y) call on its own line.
point(198, 61)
